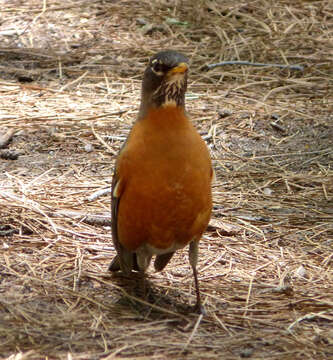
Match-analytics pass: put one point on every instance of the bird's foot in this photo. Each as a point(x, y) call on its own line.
point(199, 309)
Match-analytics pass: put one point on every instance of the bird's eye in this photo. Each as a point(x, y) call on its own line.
point(159, 68)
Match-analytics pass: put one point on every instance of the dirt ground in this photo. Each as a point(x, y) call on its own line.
point(70, 75)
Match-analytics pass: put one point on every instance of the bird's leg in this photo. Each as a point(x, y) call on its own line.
point(143, 283)
point(142, 261)
point(193, 257)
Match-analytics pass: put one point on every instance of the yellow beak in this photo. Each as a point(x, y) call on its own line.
point(181, 68)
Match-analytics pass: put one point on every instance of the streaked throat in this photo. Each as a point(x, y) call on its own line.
point(171, 92)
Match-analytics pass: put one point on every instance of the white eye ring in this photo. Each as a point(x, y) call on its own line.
point(158, 73)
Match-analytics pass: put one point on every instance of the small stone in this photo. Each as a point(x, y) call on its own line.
point(88, 148)
point(224, 113)
point(141, 21)
point(267, 191)
point(301, 271)
point(246, 352)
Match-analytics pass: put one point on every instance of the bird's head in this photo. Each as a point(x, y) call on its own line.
point(165, 81)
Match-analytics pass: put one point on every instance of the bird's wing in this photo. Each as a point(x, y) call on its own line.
point(124, 258)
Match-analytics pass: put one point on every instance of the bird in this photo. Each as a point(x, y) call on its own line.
point(161, 187)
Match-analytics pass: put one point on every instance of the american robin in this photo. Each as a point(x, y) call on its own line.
point(161, 188)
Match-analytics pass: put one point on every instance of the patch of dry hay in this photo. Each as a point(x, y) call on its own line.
point(265, 264)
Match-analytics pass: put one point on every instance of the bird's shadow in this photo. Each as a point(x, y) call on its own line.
point(148, 299)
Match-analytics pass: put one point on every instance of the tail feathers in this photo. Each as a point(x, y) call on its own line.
point(162, 260)
point(115, 264)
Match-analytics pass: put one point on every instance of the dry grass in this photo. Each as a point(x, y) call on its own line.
point(266, 260)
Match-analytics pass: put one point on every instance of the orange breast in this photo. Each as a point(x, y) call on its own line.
point(165, 169)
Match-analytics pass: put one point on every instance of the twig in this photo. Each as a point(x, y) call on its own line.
point(74, 81)
point(99, 193)
point(192, 333)
point(115, 137)
point(6, 138)
point(295, 153)
point(248, 63)
point(8, 154)
point(26, 203)
point(7, 232)
point(98, 137)
point(101, 220)
point(278, 127)
point(309, 316)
